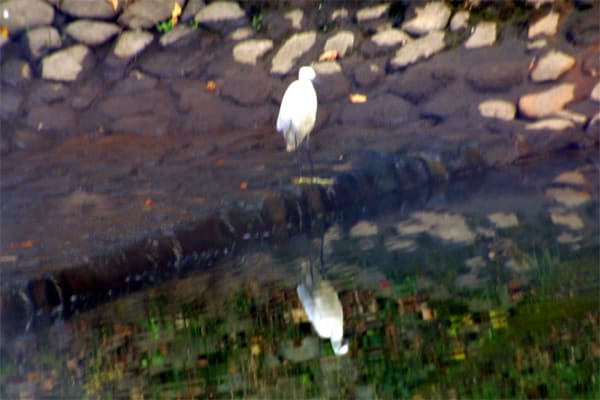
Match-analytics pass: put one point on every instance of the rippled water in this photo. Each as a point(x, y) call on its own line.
point(481, 290)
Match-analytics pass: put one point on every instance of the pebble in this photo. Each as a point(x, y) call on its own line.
point(551, 66)
point(249, 51)
point(390, 38)
point(552, 124)
point(342, 42)
point(577, 118)
point(571, 219)
point(363, 229)
point(499, 109)
point(541, 104)
point(147, 13)
point(373, 12)
point(504, 220)
point(41, 40)
point(327, 67)
point(178, 34)
point(537, 44)
point(483, 35)
point(17, 15)
point(92, 33)
point(295, 18)
point(295, 47)
point(595, 94)
point(419, 49)
point(568, 197)
point(460, 21)
point(131, 43)
point(431, 17)
point(546, 25)
point(241, 33)
point(68, 64)
point(570, 178)
point(89, 8)
point(221, 15)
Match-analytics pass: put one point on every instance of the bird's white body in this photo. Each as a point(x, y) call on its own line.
point(298, 111)
point(324, 309)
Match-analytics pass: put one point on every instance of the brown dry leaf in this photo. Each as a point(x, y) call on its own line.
point(114, 4)
point(148, 202)
point(329, 55)
point(357, 98)
point(175, 13)
point(244, 185)
point(211, 86)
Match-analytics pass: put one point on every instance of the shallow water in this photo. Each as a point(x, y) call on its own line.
point(481, 289)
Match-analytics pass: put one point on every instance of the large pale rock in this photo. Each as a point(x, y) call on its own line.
point(295, 18)
point(484, 35)
point(96, 9)
point(147, 13)
point(180, 35)
point(431, 17)
point(294, 48)
point(551, 66)
point(192, 7)
point(373, 12)
point(342, 42)
point(460, 21)
point(131, 43)
point(17, 15)
point(550, 124)
point(222, 16)
point(91, 32)
point(419, 49)
point(68, 64)
point(595, 94)
point(499, 109)
point(541, 104)
point(249, 51)
point(390, 38)
point(546, 25)
point(39, 41)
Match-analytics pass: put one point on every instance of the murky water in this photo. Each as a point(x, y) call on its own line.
point(482, 290)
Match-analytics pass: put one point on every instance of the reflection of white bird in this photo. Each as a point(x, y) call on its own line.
point(298, 110)
point(323, 308)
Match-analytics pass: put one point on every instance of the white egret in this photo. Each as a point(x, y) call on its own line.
point(298, 110)
point(323, 308)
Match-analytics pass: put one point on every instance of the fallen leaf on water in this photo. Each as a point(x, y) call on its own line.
point(211, 86)
point(114, 4)
point(329, 55)
point(244, 185)
point(21, 245)
point(4, 31)
point(307, 180)
point(148, 202)
point(357, 98)
point(220, 161)
point(175, 13)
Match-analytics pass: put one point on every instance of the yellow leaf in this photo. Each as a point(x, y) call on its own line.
point(211, 86)
point(329, 55)
point(113, 3)
point(175, 13)
point(4, 31)
point(357, 98)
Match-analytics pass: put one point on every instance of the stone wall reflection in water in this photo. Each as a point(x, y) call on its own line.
point(478, 292)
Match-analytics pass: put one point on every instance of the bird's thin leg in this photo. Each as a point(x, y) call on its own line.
point(312, 167)
point(298, 163)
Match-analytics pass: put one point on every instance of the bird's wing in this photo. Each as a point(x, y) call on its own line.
point(289, 104)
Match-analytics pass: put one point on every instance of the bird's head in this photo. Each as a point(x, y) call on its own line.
point(307, 73)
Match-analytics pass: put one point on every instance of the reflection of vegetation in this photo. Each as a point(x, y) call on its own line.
point(411, 339)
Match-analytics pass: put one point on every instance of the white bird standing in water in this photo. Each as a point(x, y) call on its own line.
point(323, 308)
point(298, 111)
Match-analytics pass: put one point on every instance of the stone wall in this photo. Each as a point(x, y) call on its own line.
point(93, 67)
